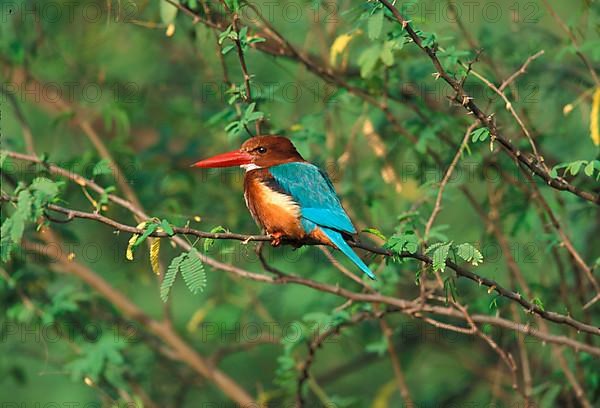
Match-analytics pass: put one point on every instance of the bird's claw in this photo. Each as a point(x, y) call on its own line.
point(277, 237)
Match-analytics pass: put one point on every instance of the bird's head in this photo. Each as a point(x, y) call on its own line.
point(257, 152)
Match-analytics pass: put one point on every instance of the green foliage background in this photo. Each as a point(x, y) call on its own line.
point(160, 102)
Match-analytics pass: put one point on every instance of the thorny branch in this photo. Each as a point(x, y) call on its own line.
point(460, 271)
point(277, 45)
point(463, 98)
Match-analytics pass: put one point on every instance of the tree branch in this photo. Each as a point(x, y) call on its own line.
point(460, 271)
point(468, 103)
point(183, 352)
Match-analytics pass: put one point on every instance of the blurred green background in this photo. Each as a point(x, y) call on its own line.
point(159, 93)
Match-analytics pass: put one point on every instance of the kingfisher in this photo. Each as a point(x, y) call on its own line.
point(290, 198)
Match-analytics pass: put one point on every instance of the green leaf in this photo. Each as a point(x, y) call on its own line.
point(97, 357)
point(575, 166)
point(549, 399)
point(440, 254)
point(102, 167)
point(378, 347)
point(227, 48)
point(429, 39)
point(168, 12)
point(44, 191)
point(494, 303)
point(170, 275)
point(225, 34)
point(387, 55)
point(589, 169)
point(150, 228)
point(538, 302)
point(249, 109)
point(375, 232)
point(21, 215)
point(375, 24)
point(233, 5)
point(209, 242)
point(368, 60)
point(103, 199)
point(6, 243)
point(255, 40)
point(243, 32)
point(193, 272)
point(433, 247)
point(480, 135)
point(3, 156)
point(450, 289)
point(164, 224)
point(406, 241)
point(469, 253)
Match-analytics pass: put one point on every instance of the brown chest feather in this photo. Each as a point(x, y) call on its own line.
point(275, 211)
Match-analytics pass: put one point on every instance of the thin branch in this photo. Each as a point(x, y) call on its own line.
point(507, 358)
point(518, 275)
point(183, 352)
point(513, 112)
point(574, 41)
point(395, 359)
point(286, 49)
point(526, 329)
point(399, 305)
point(316, 343)
point(488, 120)
point(240, 52)
point(520, 71)
point(555, 317)
point(447, 175)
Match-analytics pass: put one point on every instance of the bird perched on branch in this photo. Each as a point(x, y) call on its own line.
point(288, 196)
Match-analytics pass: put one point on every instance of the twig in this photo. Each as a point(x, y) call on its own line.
point(398, 372)
point(316, 343)
point(506, 357)
point(520, 71)
point(164, 331)
point(240, 52)
point(511, 109)
point(468, 103)
point(555, 317)
point(518, 275)
point(574, 41)
point(447, 175)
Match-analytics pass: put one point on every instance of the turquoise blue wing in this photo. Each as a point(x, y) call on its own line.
point(319, 204)
point(313, 191)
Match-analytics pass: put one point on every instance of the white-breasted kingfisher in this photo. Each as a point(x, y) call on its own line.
point(288, 196)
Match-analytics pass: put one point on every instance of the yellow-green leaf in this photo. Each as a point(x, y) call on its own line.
point(339, 45)
point(595, 118)
point(154, 251)
point(384, 394)
point(132, 241)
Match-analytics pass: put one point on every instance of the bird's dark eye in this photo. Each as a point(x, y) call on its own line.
point(261, 150)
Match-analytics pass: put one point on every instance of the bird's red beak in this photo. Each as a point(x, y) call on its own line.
point(230, 159)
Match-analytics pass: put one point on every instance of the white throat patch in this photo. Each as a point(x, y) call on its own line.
point(250, 167)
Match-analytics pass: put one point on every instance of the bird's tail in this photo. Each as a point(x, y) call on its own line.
point(342, 245)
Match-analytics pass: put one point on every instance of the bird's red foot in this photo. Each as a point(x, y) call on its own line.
point(277, 237)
